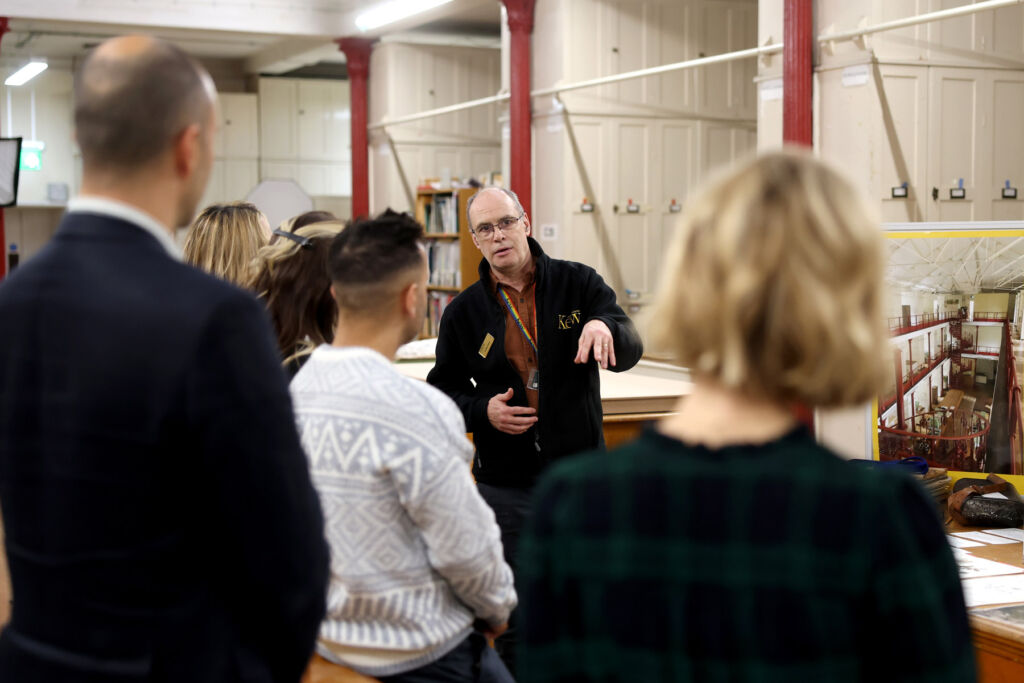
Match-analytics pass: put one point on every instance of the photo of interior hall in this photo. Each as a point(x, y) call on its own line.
point(954, 313)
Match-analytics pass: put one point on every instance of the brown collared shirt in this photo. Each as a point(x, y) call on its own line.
point(518, 351)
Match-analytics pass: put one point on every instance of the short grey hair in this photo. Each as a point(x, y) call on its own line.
point(129, 109)
point(508, 192)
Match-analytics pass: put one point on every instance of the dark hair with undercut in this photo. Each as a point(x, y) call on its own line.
point(367, 258)
point(128, 111)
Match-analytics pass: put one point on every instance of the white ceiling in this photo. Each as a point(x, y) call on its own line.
point(957, 264)
point(270, 35)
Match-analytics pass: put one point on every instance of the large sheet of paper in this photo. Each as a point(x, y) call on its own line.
point(958, 542)
point(1015, 534)
point(984, 537)
point(994, 590)
point(973, 567)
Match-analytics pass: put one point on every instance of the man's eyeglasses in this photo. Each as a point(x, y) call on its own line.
point(486, 230)
point(303, 242)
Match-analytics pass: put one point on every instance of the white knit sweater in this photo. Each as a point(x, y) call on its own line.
point(415, 551)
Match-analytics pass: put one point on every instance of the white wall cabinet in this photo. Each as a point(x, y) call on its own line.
point(305, 134)
point(648, 140)
point(235, 168)
point(406, 79)
point(930, 127)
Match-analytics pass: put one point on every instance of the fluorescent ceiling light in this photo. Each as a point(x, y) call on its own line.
point(396, 10)
point(26, 73)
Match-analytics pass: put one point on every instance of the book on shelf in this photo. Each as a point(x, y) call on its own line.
point(443, 258)
point(436, 304)
point(441, 215)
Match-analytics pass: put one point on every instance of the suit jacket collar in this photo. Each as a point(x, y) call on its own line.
point(102, 206)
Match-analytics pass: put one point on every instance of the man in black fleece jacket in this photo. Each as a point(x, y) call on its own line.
point(519, 352)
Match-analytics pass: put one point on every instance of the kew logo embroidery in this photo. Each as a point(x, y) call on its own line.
point(567, 321)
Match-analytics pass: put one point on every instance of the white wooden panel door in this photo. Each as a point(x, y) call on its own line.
point(676, 171)
point(587, 157)
point(677, 45)
point(632, 167)
point(313, 117)
point(279, 170)
point(339, 180)
point(313, 178)
point(214, 193)
point(240, 177)
point(1007, 143)
point(339, 122)
point(900, 142)
point(953, 132)
point(239, 132)
point(278, 125)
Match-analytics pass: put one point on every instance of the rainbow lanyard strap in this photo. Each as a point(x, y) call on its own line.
point(519, 321)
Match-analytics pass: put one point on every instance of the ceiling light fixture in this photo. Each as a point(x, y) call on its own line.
point(396, 10)
point(26, 73)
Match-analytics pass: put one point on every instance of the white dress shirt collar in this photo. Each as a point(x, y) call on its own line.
point(115, 209)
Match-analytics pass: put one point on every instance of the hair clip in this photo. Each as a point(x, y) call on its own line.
point(303, 242)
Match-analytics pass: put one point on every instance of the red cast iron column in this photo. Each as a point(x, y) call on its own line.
point(357, 53)
point(797, 71)
point(520, 26)
point(3, 233)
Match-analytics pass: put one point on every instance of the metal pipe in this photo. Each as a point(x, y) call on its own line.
point(471, 104)
point(357, 55)
point(520, 27)
point(919, 19)
point(665, 68)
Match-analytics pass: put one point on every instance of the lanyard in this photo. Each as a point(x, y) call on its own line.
point(519, 321)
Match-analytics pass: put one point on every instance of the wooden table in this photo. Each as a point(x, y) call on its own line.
point(999, 647)
point(630, 400)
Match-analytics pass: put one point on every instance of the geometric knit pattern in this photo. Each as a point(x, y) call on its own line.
point(416, 553)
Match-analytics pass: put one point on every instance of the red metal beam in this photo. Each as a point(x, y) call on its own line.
point(797, 72)
point(899, 388)
point(520, 26)
point(357, 54)
point(4, 28)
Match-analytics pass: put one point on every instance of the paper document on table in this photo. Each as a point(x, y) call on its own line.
point(994, 590)
point(1015, 534)
point(994, 494)
point(972, 567)
point(983, 537)
point(957, 542)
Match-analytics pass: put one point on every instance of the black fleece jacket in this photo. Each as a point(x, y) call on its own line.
point(569, 295)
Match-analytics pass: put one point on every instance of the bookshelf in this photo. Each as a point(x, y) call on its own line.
point(453, 256)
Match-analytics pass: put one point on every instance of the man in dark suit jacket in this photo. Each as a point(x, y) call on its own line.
point(160, 521)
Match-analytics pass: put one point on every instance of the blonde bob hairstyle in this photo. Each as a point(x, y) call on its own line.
point(772, 286)
point(224, 239)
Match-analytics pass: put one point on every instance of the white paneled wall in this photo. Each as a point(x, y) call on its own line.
point(410, 78)
point(236, 150)
point(649, 140)
point(927, 105)
point(305, 134)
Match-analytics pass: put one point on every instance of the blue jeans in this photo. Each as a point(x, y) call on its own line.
point(472, 661)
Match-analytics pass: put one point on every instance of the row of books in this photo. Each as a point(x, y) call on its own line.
point(444, 264)
point(441, 215)
point(435, 307)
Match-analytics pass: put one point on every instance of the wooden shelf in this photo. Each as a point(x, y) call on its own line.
point(435, 288)
point(441, 236)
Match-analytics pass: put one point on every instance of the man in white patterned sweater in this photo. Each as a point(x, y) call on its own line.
point(416, 556)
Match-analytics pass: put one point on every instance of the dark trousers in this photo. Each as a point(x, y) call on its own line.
point(472, 661)
point(511, 507)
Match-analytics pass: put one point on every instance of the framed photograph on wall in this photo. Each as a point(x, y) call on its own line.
point(954, 306)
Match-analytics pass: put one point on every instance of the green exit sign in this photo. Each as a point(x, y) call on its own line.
point(32, 155)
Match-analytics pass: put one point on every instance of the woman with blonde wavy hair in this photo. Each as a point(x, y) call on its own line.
point(726, 543)
point(224, 238)
point(290, 275)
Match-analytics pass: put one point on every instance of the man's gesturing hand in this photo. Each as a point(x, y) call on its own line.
point(596, 336)
point(509, 419)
